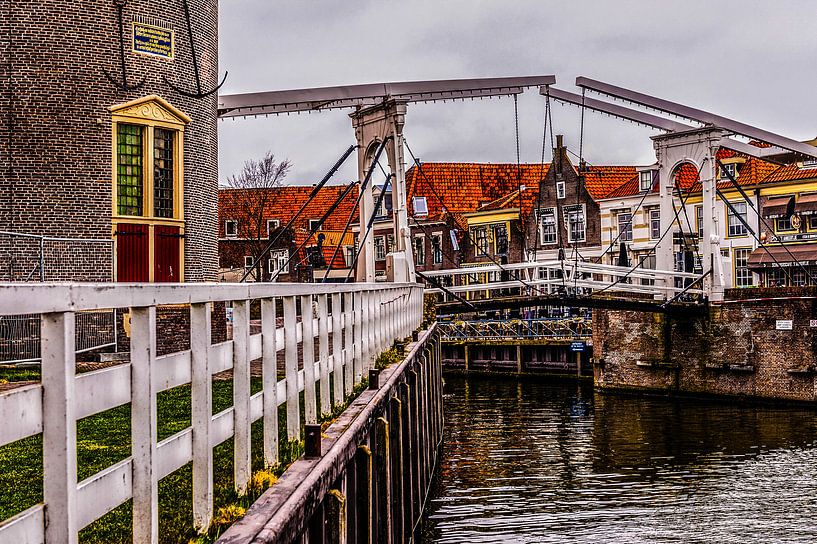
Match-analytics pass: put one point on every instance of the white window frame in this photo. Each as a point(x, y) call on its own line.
point(732, 168)
point(560, 190)
point(455, 245)
point(227, 224)
point(624, 220)
point(439, 237)
point(379, 248)
point(481, 245)
point(349, 255)
point(655, 223)
point(248, 260)
point(575, 210)
point(275, 222)
point(734, 227)
point(548, 213)
point(312, 222)
point(420, 205)
point(278, 261)
point(645, 179)
point(419, 249)
point(740, 280)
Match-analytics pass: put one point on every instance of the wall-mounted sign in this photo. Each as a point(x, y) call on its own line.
point(812, 323)
point(783, 324)
point(577, 346)
point(153, 40)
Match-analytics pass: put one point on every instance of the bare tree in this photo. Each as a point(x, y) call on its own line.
point(256, 183)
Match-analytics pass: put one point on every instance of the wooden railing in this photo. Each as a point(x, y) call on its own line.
point(363, 320)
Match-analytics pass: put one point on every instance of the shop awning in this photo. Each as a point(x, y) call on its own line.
point(806, 205)
point(805, 254)
point(778, 207)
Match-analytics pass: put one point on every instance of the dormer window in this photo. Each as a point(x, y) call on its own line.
point(420, 205)
point(728, 170)
point(645, 181)
point(314, 225)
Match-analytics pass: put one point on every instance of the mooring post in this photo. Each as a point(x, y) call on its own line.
point(382, 480)
point(519, 358)
point(404, 393)
point(335, 517)
point(312, 441)
point(396, 450)
point(374, 378)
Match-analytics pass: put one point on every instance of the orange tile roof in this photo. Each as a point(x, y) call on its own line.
point(791, 172)
point(467, 187)
point(601, 181)
point(284, 202)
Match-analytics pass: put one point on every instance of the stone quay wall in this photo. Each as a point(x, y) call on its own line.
point(758, 343)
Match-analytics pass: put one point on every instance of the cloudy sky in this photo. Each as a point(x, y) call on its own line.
point(750, 60)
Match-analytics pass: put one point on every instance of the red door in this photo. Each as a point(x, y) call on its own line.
point(132, 262)
point(166, 242)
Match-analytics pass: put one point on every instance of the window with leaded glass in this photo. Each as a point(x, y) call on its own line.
point(480, 237)
point(163, 141)
point(130, 179)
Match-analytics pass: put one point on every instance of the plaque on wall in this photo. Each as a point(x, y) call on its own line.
point(153, 40)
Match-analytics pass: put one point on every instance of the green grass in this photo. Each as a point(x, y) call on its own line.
point(104, 439)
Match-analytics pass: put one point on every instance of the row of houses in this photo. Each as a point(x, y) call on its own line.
point(465, 214)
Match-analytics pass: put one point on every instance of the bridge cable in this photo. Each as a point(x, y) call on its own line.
point(542, 166)
point(316, 227)
point(312, 195)
point(652, 250)
point(579, 179)
point(356, 206)
point(519, 174)
point(466, 231)
point(369, 224)
point(751, 204)
point(630, 222)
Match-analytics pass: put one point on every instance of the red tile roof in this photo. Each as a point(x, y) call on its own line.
point(466, 187)
point(791, 172)
point(283, 202)
point(601, 181)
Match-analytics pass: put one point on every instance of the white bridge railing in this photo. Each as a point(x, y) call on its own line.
point(551, 277)
point(364, 321)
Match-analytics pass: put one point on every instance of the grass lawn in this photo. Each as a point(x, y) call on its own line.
point(104, 439)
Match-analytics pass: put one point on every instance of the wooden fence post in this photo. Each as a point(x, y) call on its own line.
point(143, 426)
point(337, 351)
point(242, 469)
point(308, 358)
point(323, 335)
point(291, 356)
point(269, 354)
point(59, 428)
point(201, 397)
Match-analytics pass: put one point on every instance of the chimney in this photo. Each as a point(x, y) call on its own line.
point(557, 154)
point(559, 141)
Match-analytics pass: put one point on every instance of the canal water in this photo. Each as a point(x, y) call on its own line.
point(528, 461)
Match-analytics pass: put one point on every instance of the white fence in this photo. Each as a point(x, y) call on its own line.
point(364, 321)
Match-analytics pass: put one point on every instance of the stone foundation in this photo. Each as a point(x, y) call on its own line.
point(734, 350)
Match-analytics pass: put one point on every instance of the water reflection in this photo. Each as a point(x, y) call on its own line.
point(526, 461)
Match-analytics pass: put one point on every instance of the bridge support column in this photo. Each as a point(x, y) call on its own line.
point(373, 125)
point(697, 147)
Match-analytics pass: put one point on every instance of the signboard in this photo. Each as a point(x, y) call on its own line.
point(812, 323)
point(783, 324)
point(577, 346)
point(153, 40)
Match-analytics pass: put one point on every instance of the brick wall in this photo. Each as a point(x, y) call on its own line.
point(55, 127)
point(734, 350)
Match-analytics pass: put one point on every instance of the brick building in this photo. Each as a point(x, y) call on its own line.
point(568, 218)
point(306, 251)
point(82, 158)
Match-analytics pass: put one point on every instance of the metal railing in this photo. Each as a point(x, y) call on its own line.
point(20, 335)
point(552, 277)
point(363, 320)
point(515, 329)
point(32, 257)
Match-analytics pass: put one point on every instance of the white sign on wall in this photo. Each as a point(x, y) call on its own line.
point(812, 323)
point(784, 324)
